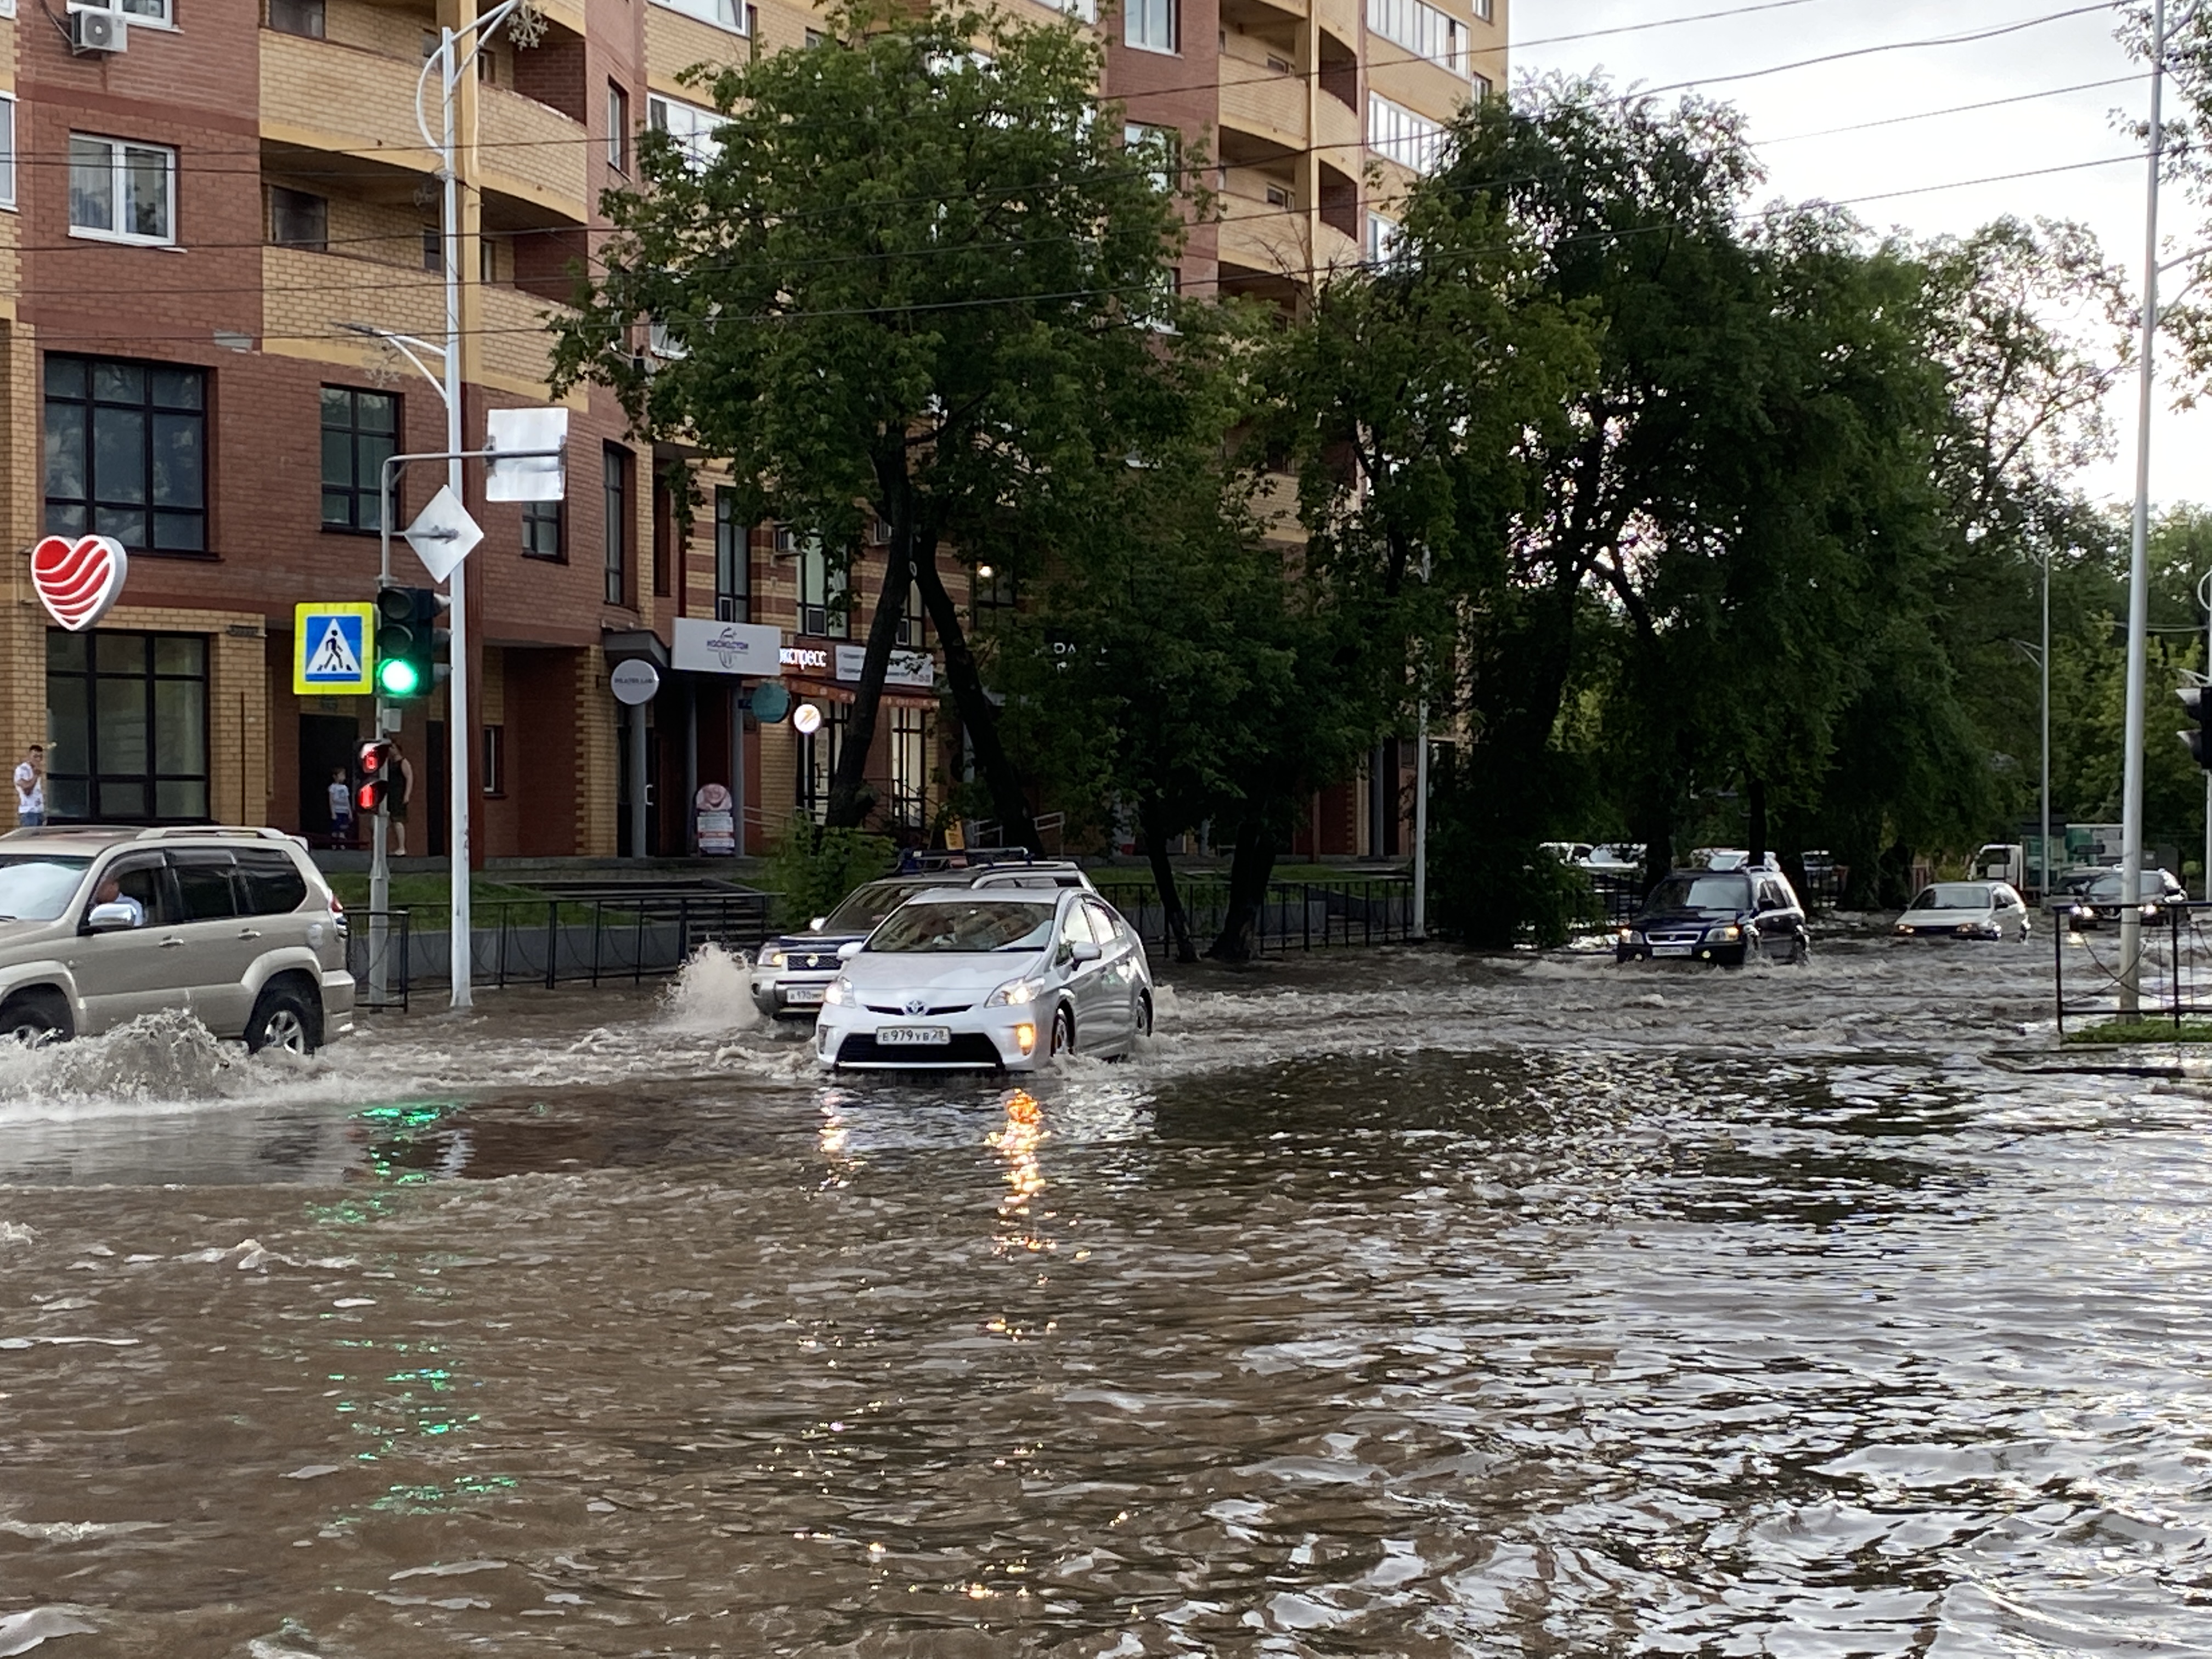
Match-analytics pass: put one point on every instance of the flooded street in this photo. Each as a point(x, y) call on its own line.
point(1393, 1302)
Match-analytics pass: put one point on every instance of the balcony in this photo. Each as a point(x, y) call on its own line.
point(533, 153)
point(305, 295)
point(514, 341)
point(1263, 226)
point(1267, 102)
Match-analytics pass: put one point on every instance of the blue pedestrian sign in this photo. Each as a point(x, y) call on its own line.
point(333, 648)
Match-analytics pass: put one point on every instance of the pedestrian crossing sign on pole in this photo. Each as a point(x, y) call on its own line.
point(334, 648)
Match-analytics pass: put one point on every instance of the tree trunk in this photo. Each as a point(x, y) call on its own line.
point(850, 799)
point(1249, 867)
point(976, 712)
point(1154, 829)
point(1755, 795)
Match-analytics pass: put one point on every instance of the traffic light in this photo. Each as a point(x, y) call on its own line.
point(372, 773)
point(2198, 699)
point(410, 639)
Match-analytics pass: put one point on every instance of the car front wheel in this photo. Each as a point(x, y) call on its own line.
point(282, 1019)
point(1063, 1032)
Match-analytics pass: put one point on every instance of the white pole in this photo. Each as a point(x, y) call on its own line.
point(460, 938)
point(2042, 860)
point(2131, 794)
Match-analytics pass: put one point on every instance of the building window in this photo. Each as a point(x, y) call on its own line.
point(297, 17)
point(814, 37)
point(297, 219)
point(617, 128)
point(1409, 139)
point(616, 462)
point(126, 453)
point(1150, 24)
point(544, 528)
point(733, 15)
point(1479, 87)
point(914, 624)
point(733, 563)
point(360, 429)
point(7, 149)
point(128, 719)
point(823, 607)
point(1422, 30)
point(994, 590)
point(1382, 239)
point(689, 127)
point(122, 191)
point(146, 11)
point(434, 249)
point(494, 760)
point(1158, 149)
point(817, 757)
point(910, 802)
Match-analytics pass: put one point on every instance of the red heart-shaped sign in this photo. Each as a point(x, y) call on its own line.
point(78, 580)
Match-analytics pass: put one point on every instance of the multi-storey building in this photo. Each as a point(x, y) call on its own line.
point(206, 236)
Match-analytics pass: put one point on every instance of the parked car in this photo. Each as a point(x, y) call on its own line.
point(790, 974)
point(1965, 909)
point(2101, 902)
point(1725, 916)
point(1615, 859)
point(236, 927)
point(1719, 858)
point(1567, 852)
point(995, 978)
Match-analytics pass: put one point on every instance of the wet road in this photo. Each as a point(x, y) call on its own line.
point(1392, 1304)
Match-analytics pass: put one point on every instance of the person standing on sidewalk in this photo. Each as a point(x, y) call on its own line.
point(341, 799)
point(403, 791)
point(31, 788)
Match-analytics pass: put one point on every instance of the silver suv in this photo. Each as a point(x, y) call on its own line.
point(99, 925)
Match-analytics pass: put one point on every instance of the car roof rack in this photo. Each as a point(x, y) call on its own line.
point(917, 861)
point(253, 832)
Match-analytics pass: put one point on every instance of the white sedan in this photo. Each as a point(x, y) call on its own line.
point(1965, 909)
point(999, 979)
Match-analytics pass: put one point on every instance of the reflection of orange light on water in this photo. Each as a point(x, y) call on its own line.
point(1023, 1108)
point(1017, 1142)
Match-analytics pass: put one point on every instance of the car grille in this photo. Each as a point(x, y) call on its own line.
point(942, 1008)
point(804, 963)
point(966, 1049)
point(1675, 938)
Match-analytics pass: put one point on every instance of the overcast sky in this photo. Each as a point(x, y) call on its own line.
point(1786, 109)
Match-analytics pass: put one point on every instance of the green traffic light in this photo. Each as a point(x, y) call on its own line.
point(397, 677)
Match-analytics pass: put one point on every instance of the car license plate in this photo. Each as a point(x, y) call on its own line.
point(919, 1036)
point(803, 996)
point(1670, 949)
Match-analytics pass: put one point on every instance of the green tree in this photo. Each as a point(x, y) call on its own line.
point(917, 272)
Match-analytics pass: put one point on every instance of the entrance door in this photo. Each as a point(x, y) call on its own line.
point(326, 743)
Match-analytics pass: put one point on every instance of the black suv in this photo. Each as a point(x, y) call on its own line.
point(1729, 917)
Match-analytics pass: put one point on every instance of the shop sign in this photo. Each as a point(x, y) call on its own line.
point(78, 580)
point(906, 667)
point(803, 659)
point(724, 647)
point(634, 682)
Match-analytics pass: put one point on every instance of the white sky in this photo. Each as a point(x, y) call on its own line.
point(1941, 150)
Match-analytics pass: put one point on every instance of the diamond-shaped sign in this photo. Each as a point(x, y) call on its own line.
point(443, 534)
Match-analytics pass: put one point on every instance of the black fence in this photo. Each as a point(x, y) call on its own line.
point(2174, 968)
point(549, 942)
point(1297, 916)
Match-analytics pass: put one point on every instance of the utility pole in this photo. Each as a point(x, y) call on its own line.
point(2043, 887)
point(2132, 791)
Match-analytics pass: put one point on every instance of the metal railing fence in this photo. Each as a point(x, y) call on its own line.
point(1296, 915)
point(552, 942)
point(2173, 968)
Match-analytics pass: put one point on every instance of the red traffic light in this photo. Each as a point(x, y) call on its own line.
point(372, 774)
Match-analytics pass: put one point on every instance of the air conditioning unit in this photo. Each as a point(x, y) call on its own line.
point(97, 31)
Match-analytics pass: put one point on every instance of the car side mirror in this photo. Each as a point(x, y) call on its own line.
point(851, 948)
point(110, 919)
point(1083, 950)
point(815, 925)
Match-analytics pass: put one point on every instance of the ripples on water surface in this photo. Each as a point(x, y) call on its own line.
point(1391, 1305)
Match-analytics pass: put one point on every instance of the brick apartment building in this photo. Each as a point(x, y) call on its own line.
point(199, 235)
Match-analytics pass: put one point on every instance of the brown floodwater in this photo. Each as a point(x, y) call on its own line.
point(1393, 1302)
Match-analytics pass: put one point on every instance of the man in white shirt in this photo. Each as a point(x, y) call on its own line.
point(31, 788)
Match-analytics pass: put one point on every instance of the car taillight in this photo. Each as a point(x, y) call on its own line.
point(337, 915)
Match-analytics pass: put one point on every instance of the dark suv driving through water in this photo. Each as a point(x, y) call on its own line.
point(1727, 917)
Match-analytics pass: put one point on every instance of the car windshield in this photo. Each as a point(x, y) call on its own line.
point(964, 927)
point(2106, 889)
point(1954, 895)
point(865, 906)
point(36, 886)
point(1729, 893)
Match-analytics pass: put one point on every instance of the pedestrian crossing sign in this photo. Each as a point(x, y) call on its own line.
point(334, 648)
